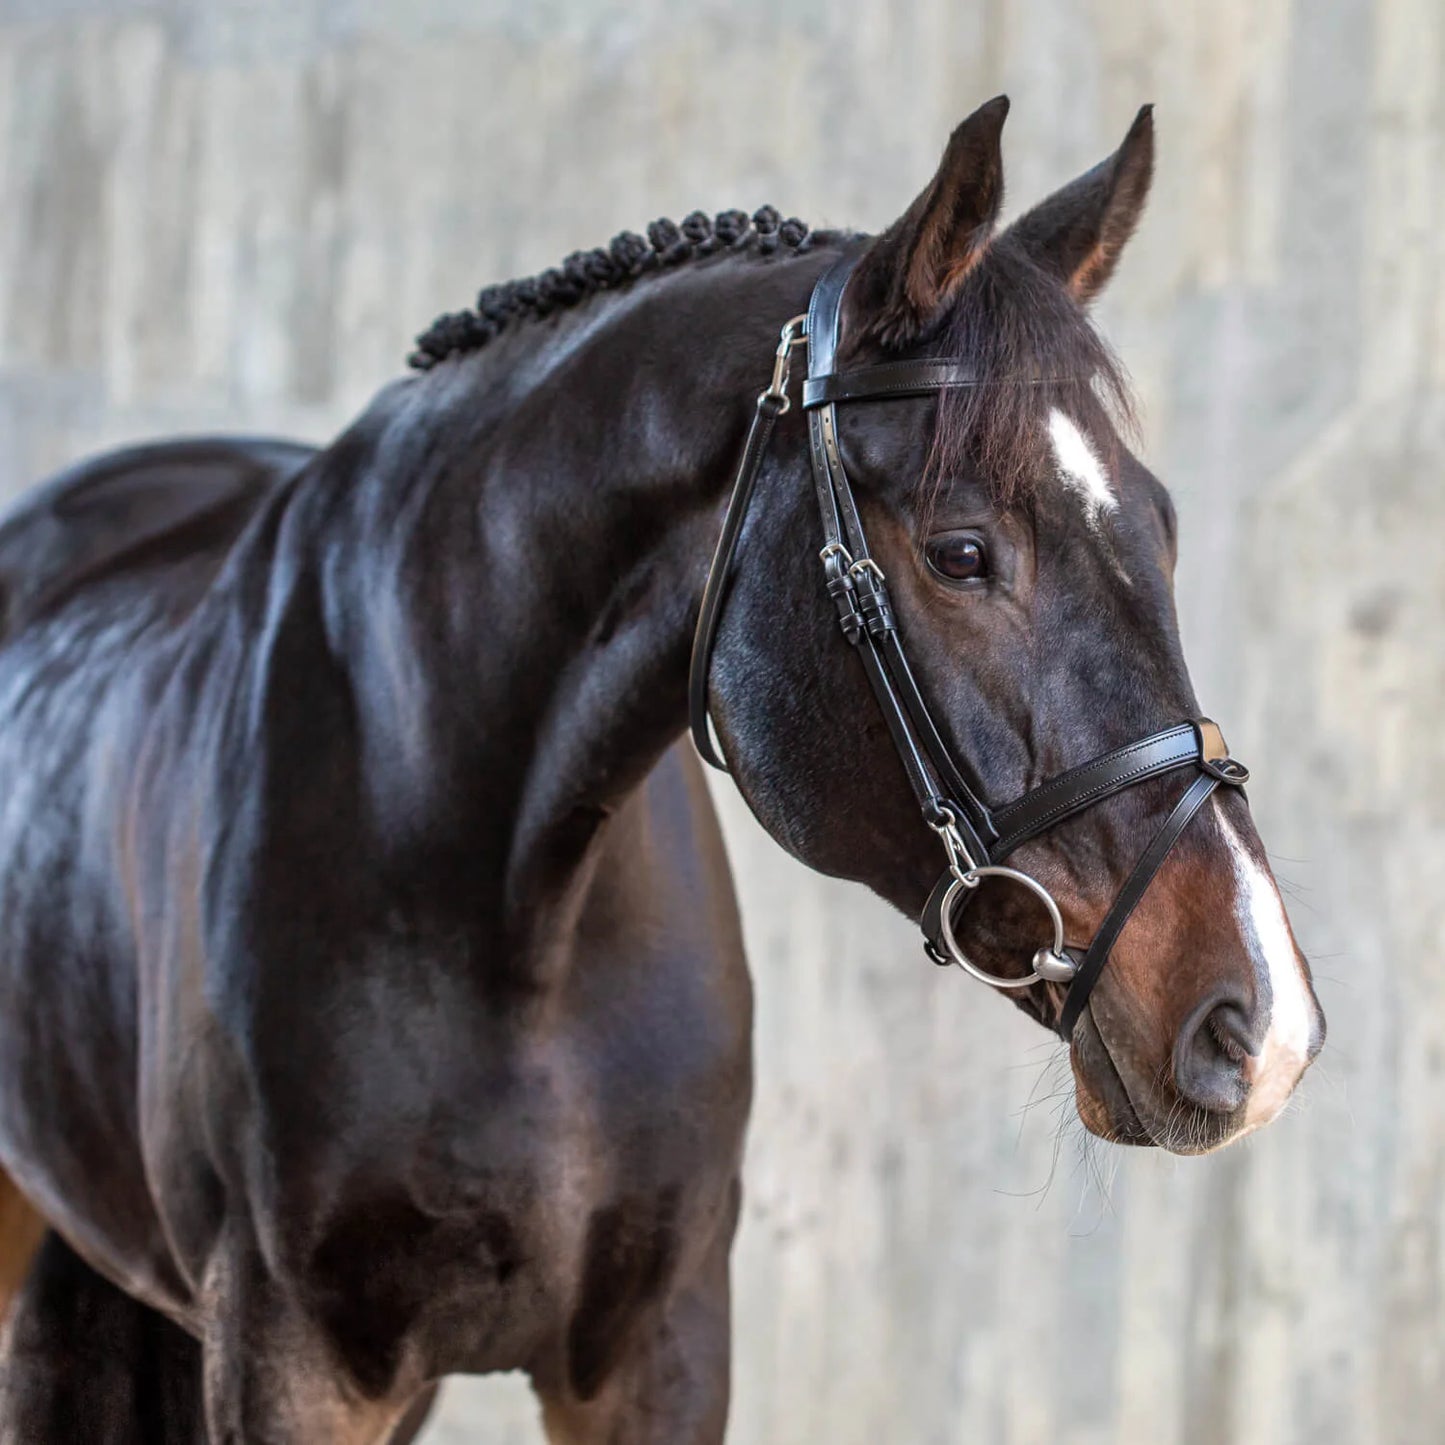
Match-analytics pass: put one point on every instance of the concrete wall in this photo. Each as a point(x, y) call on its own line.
point(236, 213)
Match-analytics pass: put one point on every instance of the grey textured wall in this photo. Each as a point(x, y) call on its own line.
point(235, 213)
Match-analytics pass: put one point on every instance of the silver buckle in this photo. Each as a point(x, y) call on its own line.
point(793, 334)
point(960, 860)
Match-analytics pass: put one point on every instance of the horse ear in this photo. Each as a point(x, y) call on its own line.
point(1078, 233)
point(911, 272)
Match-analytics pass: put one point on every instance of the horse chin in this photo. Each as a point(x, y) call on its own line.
point(1114, 1111)
point(1100, 1094)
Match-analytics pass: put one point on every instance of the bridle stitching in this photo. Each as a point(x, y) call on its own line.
point(1074, 805)
point(1063, 780)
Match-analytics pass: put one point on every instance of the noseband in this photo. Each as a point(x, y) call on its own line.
point(976, 839)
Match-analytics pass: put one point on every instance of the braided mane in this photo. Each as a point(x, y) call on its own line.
point(584, 273)
point(1010, 321)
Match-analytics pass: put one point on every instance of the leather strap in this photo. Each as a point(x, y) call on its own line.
point(719, 576)
point(860, 593)
point(1079, 788)
point(824, 310)
point(1091, 965)
point(956, 784)
point(888, 379)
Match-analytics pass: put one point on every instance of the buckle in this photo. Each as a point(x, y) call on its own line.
point(1227, 770)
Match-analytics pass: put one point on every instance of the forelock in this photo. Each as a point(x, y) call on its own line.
point(1032, 349)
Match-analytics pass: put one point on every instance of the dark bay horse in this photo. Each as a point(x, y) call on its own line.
point(372, 1002)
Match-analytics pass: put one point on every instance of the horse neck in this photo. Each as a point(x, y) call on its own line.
point(533, 574)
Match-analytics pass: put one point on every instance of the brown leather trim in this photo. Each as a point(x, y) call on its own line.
point(1212, 747)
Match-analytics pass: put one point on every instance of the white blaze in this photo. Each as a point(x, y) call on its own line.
point(1079, 468)
point(1285, 1050)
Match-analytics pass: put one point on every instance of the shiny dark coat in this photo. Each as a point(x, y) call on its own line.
point(347, 1016)
point(372, 1005)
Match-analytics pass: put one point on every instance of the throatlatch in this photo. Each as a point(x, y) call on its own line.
point(975, 838)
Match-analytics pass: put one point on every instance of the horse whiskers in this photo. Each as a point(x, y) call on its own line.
point(1022, 1113)
point(1042, 1192)
point(1031, 1055)
point(1094, 1174)
point(1034, 1099)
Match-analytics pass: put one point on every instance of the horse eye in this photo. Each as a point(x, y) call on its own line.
point(957, 556)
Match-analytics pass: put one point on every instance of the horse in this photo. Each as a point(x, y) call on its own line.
point(374, 1000)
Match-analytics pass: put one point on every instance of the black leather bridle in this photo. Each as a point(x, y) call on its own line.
point(976, 838)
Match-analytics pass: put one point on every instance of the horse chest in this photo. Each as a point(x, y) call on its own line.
point(533, 1169)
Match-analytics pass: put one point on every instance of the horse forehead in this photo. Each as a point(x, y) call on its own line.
point(1078, 467)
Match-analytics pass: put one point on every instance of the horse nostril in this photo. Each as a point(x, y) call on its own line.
point(1211, 1051)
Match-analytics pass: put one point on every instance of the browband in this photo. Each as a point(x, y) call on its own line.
point(887, 379)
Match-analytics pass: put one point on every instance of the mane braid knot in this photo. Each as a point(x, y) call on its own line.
point(584, 273)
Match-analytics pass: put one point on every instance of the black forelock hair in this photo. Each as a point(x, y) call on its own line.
point(584, 273)
point(1032, 347)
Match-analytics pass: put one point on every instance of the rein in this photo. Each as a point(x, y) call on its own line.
point(976, 839)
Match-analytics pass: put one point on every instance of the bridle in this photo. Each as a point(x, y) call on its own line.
point(976, 838)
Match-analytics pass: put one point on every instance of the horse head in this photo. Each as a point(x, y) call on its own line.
point(1029, 559)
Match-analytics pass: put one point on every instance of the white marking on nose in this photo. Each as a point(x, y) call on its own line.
point(1079, 467)
point(1285, 1051)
